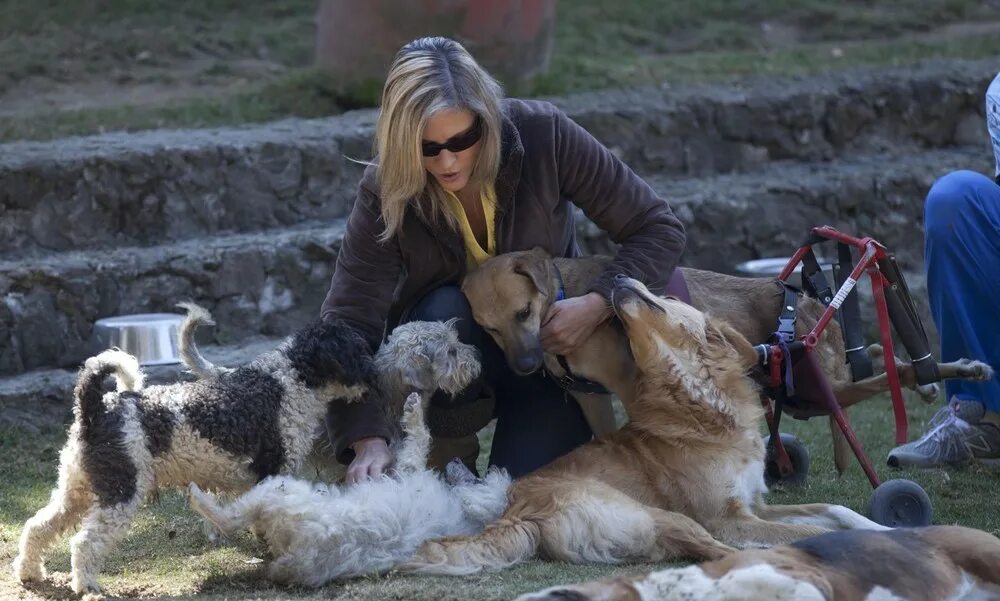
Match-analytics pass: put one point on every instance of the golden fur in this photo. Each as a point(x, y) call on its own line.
point(684, 478)
point(507, 284)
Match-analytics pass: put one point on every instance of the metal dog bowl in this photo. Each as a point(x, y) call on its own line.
point(772, 266)
point(149, 337)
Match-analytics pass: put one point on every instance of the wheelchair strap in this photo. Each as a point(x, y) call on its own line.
point(850, 318)
point(813, 279)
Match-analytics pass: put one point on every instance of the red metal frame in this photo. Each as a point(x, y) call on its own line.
point(871, 252)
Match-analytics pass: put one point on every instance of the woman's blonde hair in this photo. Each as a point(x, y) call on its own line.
point(429, 75)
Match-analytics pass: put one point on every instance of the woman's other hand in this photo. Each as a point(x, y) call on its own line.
point(571, 321)
point(371, 458)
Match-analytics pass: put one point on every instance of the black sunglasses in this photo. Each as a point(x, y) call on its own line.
point(462, 141)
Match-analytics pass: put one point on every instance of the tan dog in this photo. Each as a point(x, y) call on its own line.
point(926, 564)
point(511, 293)
point(683, 478)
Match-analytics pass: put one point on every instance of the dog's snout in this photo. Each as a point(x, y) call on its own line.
point(527, 363)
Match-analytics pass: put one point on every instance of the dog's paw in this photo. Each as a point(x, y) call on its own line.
point(26, 571)
point(928, 392)
point(86, 586)
point(975, 370)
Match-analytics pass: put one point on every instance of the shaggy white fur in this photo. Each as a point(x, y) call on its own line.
point(318, 534)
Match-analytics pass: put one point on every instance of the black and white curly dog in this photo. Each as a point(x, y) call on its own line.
point(228, 430)
point(225, 432)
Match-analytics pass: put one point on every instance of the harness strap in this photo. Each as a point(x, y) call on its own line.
point(787, 317)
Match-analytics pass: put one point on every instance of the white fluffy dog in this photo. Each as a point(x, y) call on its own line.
point(317, 533)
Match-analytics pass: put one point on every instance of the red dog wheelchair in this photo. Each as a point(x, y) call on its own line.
point(796, 385)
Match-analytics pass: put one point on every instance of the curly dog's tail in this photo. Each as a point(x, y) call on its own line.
point(190, 355)
point(89, 390)
point(501, 544)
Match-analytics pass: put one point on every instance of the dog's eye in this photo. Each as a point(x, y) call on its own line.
point(524, 313)
point(452, 353)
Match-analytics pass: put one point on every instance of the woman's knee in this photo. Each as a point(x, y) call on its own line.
point(441, 304)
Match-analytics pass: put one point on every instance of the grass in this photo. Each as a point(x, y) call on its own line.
point(165, 554)
point(133, 64)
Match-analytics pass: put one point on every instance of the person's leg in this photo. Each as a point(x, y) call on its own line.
point(962, 262)
point(537, 421)
point(455, 421)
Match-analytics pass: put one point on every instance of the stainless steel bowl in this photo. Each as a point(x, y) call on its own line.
point(149, 337)
point(772, 266)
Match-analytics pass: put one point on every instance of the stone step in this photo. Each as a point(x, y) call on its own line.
point(261, 283)
point(156, 187)
point(767, 213)
point(46, 395)
point(271, 282)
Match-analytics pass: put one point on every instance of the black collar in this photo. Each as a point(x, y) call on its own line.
point(568, 381)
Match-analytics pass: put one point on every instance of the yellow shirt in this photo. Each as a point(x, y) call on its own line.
point(475, 254)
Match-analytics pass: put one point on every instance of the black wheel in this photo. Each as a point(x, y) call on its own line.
point(799, 456)
point(900, 503)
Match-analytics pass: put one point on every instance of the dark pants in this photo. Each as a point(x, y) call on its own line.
point(536, 420)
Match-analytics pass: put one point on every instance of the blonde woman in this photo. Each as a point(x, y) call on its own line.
point(459, 175)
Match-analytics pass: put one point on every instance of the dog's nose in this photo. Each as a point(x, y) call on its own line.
point(621, 277)
point(527, 363)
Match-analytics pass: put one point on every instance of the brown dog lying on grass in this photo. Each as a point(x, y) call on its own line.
point(511, 293)
point(925, 564)
point(684, 478)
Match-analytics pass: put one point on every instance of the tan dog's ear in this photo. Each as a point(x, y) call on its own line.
point(535, 265)
point(719, 328)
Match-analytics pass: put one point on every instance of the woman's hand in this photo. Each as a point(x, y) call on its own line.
point(371, 458)
point(571, 321)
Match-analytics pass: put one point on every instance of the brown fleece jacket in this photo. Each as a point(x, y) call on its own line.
point(547, 162)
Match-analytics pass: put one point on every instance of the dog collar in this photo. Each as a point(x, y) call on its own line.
point(560, 289)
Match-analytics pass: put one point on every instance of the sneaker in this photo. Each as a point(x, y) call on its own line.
point(958, 434)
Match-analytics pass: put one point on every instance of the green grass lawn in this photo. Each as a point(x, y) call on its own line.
point(77, 67)
point(166, 554)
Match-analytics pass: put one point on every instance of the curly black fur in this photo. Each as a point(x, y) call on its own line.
point(105, 459)
point(158, 424)
point(239, 413)
point(331, 351)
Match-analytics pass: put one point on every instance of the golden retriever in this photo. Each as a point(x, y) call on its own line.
point(683, 478)
point(511, 293)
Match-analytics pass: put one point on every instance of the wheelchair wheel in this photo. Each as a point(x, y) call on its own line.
point(900, 503)
point(799, 457)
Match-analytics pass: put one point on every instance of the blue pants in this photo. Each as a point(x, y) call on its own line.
point(536, 420)
point(962, 262)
